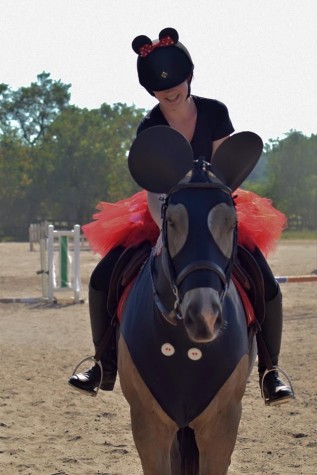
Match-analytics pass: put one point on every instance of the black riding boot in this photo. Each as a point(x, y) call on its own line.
point(275, 391)
point(100, 322)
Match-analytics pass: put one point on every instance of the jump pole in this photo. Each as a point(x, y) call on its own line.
point(69, 273)
point(44, 266)
point(296, 279)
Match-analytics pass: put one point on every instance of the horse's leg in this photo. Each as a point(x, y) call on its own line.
point(216, 449)
point(176, 461)
point(153, 441)
point(153, 431)
point(216, 428)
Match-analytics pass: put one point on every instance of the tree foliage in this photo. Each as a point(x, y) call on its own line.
point(290, 178)
point(27, 112)
point(58, 161)
point(86, 152)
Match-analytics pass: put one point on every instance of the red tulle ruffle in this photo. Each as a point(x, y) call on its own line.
point(259, 223)
point(128, 222)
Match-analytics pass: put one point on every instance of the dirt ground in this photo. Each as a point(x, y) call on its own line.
point(48, 429)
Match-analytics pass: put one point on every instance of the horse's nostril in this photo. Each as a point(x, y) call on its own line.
point(191, 316)
point(218, 322)
point(215, 308)
point(193, 313)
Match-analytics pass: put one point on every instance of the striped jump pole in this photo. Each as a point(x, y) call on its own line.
point(67, 276)
point(296, 279)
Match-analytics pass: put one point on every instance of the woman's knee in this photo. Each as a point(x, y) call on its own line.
point(101, 275)
point(270, 283)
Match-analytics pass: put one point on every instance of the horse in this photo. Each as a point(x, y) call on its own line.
point(184, 350)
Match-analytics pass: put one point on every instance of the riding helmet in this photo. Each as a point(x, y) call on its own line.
point(163, 63)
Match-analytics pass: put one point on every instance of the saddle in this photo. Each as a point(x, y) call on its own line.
point(248, 274)
point(126, 269)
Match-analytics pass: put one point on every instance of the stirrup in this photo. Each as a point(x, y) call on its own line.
point(95, 391)
point(267, 402)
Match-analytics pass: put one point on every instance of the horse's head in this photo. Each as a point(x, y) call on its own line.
point(199, 229)
point(199, 222)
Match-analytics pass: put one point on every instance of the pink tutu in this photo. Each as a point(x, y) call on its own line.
point(128, 222)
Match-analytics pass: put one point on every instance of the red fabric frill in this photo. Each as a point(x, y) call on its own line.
point(259, 223)
point(128, 222)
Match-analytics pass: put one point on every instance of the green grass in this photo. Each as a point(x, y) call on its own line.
point(305, 234)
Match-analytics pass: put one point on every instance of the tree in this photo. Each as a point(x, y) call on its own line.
point(292, 177)
point(83, 160)
point(121, 122)
point(27, 112)
point(58, 161)
point(16, 166)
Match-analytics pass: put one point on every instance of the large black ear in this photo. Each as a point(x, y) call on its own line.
point(140, 41)
point(171, 32)
point(159, 158)
point(236, 157)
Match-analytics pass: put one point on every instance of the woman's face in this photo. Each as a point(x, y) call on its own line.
point(174, 97)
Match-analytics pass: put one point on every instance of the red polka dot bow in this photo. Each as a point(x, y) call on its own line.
point(148, 48)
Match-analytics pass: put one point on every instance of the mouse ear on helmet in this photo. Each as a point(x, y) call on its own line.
point(140, 41)
point(171, 32)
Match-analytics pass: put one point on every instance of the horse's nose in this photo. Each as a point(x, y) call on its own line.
point(203, 323)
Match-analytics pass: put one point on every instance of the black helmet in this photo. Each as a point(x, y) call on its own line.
point(163, 63)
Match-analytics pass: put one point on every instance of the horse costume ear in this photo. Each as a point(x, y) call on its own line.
point(140, 41)
point(236, 157)
point(159, 158)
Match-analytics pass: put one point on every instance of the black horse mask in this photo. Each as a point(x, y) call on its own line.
point(181, 214)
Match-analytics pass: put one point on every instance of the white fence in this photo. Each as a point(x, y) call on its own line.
point(60, 263)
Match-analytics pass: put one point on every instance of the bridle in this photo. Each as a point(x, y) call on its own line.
point(176, 279)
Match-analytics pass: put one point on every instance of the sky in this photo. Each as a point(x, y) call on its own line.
point(259, 57)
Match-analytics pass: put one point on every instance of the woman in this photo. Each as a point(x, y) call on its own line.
point(165, 70)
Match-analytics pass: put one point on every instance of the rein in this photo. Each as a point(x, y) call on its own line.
point(175, 314)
